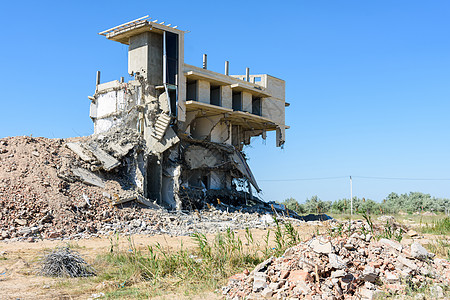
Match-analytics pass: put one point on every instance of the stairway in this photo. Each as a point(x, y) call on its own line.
point(161, 125)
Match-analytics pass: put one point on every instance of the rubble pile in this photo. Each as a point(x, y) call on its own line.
point(42, 197)
point(39, 195)
point(355, 266)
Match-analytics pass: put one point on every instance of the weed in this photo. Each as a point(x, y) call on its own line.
point(368, 219)
point(389, 232)
point(440, 247)
point(441, 226)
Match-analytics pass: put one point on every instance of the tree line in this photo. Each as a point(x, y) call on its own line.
point(409, 203)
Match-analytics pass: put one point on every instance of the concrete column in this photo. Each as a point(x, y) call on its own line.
point(145, 57)
point(227, 96)
point(203, 90)
point(246, 102)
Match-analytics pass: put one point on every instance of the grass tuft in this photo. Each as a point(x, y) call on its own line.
point(441, 227)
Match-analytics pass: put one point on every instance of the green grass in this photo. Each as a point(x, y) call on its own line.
point(439, 226)
point(439, 247)
point(159, 271)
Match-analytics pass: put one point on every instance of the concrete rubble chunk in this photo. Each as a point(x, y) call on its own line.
point(391, 277)
point(407, 262)
point(391, 244)
point(367, 294)
point(338, 274)
point(169, 139)
point(299, 275)
point(88, 177)
point(336, 261)
point(108, 162)
point(259, 281)
point(370, 274)
point(80, 151)
point(303, 287)
point(263, 265)
point(419, 252)
point(267, 293)
point(321, 246)
point(121, 151)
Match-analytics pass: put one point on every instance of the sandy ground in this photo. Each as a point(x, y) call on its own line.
point(19, 261)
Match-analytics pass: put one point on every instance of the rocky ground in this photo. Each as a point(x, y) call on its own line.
point(355, 266)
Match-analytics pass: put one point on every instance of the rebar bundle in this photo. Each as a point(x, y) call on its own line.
point(63, 262)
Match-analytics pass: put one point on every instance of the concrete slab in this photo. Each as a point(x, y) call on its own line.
point(88, 177)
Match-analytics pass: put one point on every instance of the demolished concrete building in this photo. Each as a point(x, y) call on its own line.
point(191, 123)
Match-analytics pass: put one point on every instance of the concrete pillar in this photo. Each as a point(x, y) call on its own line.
point(227, 96)
point(145, 57)
point(203, 91)
point(246, 102)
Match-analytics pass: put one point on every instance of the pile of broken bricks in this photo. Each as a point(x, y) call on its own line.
point(345, 267)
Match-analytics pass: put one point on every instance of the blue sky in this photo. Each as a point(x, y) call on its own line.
point(368, 81)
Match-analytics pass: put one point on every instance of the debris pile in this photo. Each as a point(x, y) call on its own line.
point(355, 266)
point(43, 196)
point(63, 262)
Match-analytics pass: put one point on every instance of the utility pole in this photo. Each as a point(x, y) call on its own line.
point(351, 197)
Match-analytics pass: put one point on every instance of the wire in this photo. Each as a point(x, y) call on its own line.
point(361, 177)
point(401, 178)
point(305, 179)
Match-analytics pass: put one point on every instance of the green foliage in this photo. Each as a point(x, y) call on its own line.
point(293, 205)
point(411, 203)
point(285, 236)
point(205, 268)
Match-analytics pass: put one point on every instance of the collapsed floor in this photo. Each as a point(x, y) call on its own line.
point(47, 190)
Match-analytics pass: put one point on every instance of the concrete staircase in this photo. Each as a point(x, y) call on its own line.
point(161, 125)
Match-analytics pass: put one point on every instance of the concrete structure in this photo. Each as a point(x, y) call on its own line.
point(194, 121)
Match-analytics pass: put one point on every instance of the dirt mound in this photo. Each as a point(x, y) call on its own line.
point(37, 196)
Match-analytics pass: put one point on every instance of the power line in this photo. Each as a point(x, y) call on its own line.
point(361, 177)
point(305, 179)
point(402, 178)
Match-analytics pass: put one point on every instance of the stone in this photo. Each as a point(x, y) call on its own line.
point(412, 233)
point(321, 246)
point(391, 244)
point(88, 177)
point(276, 285)
point(262, 266)
point(299, 275)
point(338, 274)
point(370, 274)
point(21, 222)
point(54, 235)
point(336, 261)
point(368, 294)
point(284, 274)
point(302, 287)
point(419, 252)
point(407, 262)
point(267, 293)
point(391, 277)
point(259, 281)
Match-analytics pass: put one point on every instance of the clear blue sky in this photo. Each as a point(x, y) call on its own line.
point(368, 81)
